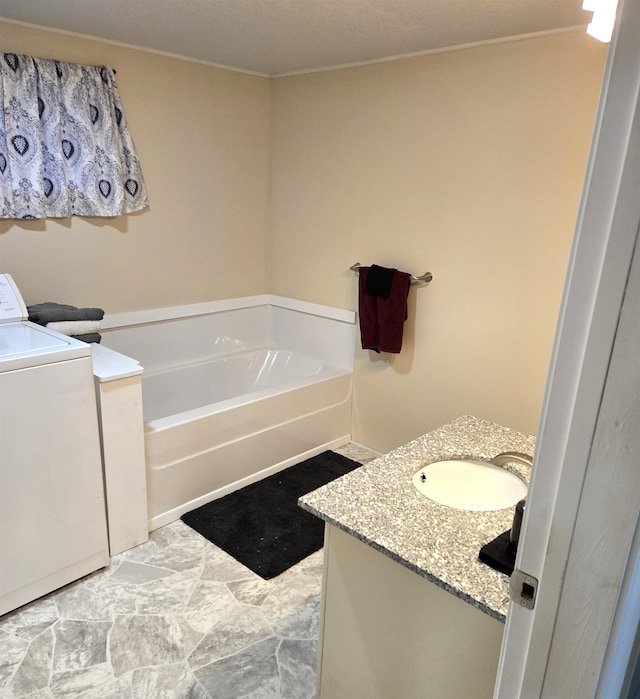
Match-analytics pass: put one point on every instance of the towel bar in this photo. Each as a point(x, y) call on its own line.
point(422, 279)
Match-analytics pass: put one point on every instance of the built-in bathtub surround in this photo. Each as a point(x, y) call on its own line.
point(379, 505)
point(117, 382)
point(234, 391)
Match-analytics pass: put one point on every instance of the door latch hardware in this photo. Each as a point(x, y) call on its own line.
point(523, 589)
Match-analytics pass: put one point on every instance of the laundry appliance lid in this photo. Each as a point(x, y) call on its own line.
point(26, 344)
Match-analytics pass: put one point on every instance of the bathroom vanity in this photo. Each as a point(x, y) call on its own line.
point(408, 610)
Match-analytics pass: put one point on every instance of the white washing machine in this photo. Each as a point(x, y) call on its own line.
point(53, 527)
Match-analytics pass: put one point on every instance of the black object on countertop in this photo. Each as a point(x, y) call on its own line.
point(500, 554)
point(261, 525)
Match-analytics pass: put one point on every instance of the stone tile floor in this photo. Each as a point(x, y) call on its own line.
point(174, 617)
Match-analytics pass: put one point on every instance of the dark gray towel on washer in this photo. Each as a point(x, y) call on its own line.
point(50, 312)
point(89, 338)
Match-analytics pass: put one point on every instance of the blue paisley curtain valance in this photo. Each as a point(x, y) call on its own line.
point(65, 149)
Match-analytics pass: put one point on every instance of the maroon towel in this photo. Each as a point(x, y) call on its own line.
point(382, 319)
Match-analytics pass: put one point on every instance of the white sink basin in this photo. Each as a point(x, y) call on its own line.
point(470, 485)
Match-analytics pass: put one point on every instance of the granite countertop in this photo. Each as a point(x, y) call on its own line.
point(378, 504)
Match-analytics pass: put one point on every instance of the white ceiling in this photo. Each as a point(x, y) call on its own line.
point(277, 37)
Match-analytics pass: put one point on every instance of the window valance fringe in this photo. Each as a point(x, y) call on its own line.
point(65, 149)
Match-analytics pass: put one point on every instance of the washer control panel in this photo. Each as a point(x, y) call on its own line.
point(12, 306)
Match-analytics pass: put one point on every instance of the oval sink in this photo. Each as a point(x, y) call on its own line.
point(469, 484)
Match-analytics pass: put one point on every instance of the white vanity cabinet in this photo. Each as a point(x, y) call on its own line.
point(408, 609)
point(388, 632)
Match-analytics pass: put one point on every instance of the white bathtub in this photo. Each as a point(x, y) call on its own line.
point(233, 394)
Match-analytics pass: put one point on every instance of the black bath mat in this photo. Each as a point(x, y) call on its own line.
point(261, 525)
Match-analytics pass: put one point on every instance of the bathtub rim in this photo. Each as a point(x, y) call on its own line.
point(113, 321)
point(163, 423)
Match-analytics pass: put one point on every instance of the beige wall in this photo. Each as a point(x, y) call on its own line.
point(202, 135)
point(467, 164)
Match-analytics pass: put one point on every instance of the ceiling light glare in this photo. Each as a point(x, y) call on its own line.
point(604, 16)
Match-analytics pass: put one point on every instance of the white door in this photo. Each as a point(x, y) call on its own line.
point(579, 527)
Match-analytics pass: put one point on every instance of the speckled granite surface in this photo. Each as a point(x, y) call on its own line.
point(379, 505)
